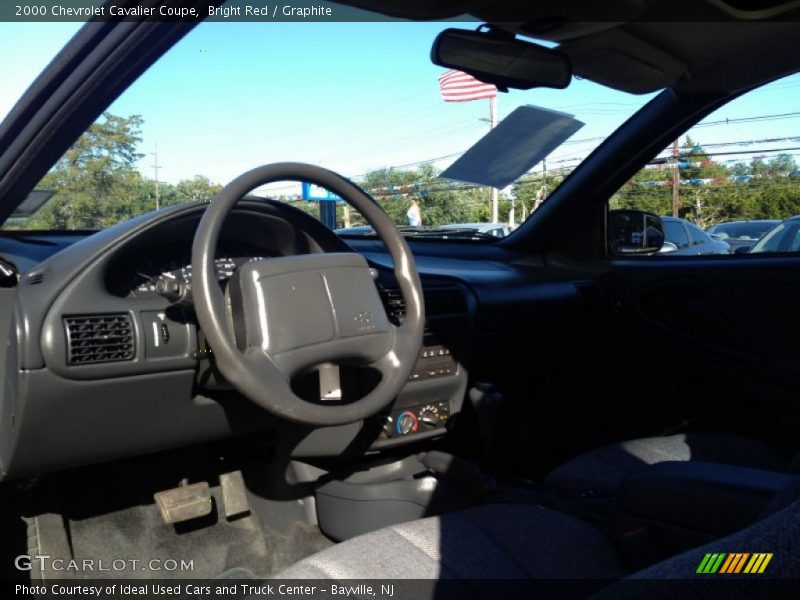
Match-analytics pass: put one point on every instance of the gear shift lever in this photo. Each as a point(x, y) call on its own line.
point(463, 475)
point(487, 400)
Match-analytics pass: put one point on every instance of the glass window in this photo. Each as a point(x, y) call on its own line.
point(744, 230)
point(734, 175)
point(697, 235)
point(231, 96)
point(794, 244)
point(676, 233)
point(772, 241)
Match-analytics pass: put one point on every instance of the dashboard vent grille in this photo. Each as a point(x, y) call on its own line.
point(99, 338)
point(439, 302)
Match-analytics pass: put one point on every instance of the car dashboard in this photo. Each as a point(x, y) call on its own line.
point(103, 364)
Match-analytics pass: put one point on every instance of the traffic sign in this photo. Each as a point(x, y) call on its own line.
point(316, 193)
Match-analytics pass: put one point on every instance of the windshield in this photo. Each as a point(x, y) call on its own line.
point(781, 238)
point(362, 99)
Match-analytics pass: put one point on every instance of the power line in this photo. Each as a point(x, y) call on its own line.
point(457, 129)
point(773, 151)
point(365, 129)
point(766, 152)
point(753, 119)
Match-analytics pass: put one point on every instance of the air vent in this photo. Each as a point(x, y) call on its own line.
point(439, 302)
point(99, 338)
point(35, 278)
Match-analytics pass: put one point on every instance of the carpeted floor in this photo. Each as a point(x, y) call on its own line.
point(213, 544)
point(107, 513)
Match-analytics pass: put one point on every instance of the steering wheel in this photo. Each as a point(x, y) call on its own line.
point(281, 316)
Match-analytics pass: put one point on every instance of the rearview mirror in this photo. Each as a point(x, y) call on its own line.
point(634, 232)
point(501, 59)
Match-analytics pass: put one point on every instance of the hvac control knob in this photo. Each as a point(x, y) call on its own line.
point(429, 415)
point(407, 423)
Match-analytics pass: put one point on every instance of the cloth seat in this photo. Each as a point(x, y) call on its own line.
point(517, 541)
point(601, 470)
point(494, 541)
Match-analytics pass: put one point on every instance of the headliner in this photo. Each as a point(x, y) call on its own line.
point(640, 46)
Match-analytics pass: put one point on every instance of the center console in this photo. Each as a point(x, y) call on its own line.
point(436, 366)
point(684, 504)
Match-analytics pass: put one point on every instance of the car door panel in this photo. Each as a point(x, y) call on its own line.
point(688, 314)
point(726, 331)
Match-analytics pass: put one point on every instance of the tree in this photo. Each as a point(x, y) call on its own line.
point(649, 189)
point(441, 201)
point(712, 192)
point(96, 182)
point(702, 182)
point(199, 187)
point(533, 189)
point(782, 165)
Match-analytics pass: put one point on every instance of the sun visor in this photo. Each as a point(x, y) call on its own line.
point(508, 151)
point(622, 61)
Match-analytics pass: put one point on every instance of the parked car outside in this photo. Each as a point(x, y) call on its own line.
point(689, 239)
point(498, 230)
point(784, 237)
point(459, 230)
point(741, 234)
point(359, 230)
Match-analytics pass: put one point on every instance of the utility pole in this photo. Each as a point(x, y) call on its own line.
point(544, 174)
point(155, 168)
point(542, 193)
point(676, 180)
point(492, 125)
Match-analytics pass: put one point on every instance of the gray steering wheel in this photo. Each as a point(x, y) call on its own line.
point(281, 316)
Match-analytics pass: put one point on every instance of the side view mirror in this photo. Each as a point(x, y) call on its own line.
point(717, 237)
point(667, 248)
point(743, 249)
point(634, 232)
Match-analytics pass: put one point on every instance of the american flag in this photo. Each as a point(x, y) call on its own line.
point(457, 86)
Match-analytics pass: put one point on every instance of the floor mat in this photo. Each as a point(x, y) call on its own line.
point(106, 513)
point(147, 547)
point(136, 543)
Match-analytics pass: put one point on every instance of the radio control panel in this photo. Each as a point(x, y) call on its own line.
point(435, 360)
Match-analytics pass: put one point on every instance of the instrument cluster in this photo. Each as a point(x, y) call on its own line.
point(150, 272)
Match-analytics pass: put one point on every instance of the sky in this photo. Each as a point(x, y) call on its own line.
point(352, 97)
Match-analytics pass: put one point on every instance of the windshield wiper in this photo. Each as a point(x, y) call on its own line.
point(445, 232)
point(427, 231)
